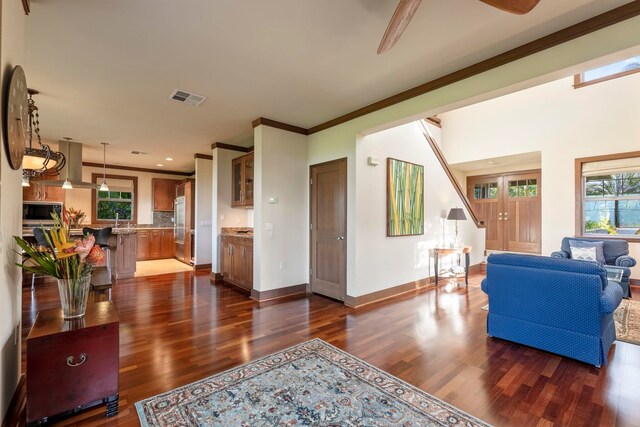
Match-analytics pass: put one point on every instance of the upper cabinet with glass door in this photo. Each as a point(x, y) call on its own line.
point(242, 181)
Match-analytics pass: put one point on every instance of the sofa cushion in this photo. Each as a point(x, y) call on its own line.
point(583, 254)
point(597, 244)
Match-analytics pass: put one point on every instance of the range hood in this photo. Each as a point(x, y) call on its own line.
point(72, 169)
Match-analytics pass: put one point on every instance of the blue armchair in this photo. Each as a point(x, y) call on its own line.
point(562, 306)
point(616, 253)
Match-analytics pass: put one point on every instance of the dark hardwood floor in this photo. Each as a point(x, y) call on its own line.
point(178, 328)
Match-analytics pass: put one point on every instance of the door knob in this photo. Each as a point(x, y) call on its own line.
point(340, 238)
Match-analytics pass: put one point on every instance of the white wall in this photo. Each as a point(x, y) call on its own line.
point(383, 262)
point(548, 65)
point(81, 198)
point(12, 48)
point(223, 215)
point(204, 206)
point(281, 232)
point(561, 122)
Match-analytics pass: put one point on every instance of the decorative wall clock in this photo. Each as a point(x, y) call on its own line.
point(16, 117)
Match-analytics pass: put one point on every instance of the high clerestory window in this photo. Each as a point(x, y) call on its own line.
point(608, 72)
point(610, 196)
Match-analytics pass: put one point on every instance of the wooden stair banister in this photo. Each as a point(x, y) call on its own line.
point(445, 165)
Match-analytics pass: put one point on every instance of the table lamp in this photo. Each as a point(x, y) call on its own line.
point(456, 214)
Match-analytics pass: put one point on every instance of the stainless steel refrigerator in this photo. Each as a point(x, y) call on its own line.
point(184, 221)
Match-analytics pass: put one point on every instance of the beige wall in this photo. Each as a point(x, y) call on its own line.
point(12, 47)
point(281, 232)
point(203, 205)
point(548, 65)
point(81, 198)
point(561, 122)
point(384, 262)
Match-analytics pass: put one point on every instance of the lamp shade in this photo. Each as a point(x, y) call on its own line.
point(456, 214)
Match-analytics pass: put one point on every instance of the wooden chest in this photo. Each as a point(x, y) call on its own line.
point(72, 364)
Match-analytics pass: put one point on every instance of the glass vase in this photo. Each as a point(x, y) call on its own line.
point(73, 296)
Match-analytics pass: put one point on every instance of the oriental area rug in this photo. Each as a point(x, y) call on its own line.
point(627, 318)
point(310, 384)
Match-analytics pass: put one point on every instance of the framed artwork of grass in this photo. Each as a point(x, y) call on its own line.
point(405, 198)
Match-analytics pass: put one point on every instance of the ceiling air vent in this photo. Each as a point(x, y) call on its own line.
point(138, 152)
point(187, 98)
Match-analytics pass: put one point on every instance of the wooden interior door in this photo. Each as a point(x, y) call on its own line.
point(484, 194)
point(510, 205)
point(522, 217)
point(328, 190)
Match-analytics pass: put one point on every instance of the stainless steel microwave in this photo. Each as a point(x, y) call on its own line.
point(36, 213)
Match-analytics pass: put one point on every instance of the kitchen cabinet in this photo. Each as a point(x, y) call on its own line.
point(155, 237)
point(163, 194)
point(72, 364)
point(237, 261)
point(155, 244)
point(143, 245)
point(37, 192)
point(242, 181)
point(167, 244)
point(123, 255)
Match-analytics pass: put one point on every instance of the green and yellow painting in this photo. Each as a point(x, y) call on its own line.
point(405, 198)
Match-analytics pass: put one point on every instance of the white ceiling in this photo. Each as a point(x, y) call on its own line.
point(105, 69)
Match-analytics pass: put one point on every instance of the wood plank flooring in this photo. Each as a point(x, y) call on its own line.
point(178, 328)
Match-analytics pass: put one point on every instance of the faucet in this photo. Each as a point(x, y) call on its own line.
point(116, 220)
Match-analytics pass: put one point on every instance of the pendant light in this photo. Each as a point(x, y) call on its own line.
point(104, 186)
point(25, 180)
point(67, 184)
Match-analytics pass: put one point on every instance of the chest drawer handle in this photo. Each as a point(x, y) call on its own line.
point(81, 360)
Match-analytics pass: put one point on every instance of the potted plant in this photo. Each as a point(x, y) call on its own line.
point(71, 262)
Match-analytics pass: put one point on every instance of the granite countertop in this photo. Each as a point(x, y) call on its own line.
point(133, 229)
point(77, 232)
point(242, 232)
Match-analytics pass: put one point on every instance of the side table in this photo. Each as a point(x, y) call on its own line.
point(72, 364)
point(466, 250)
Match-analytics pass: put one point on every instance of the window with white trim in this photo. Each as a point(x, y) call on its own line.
point(611, 197)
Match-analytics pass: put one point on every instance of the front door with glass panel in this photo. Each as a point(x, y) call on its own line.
point(510, 206)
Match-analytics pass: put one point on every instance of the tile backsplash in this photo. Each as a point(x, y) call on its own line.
point(163, 219)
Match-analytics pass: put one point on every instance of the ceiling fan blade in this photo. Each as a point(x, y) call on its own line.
point(399, 21)
point(519, 7)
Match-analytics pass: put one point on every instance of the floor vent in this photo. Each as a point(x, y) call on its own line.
point(187, 98)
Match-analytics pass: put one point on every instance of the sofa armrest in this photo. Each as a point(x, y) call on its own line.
point(625, 261)
point(610, 298)
point(484, 285)
point(560, 254)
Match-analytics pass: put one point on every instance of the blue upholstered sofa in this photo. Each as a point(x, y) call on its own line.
point(562, 306)
point(616, 253)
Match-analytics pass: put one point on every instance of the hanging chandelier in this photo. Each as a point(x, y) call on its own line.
point(41, 160)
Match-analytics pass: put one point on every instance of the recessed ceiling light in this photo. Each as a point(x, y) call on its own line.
point(160, 165)
point(169, 159)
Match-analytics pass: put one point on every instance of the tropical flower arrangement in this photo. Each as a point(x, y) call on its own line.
point(64, 258)
point(71, 262)
point(74, 217)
